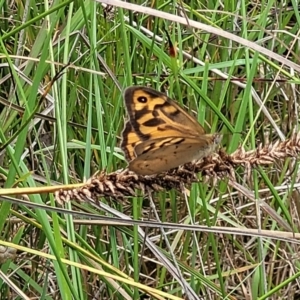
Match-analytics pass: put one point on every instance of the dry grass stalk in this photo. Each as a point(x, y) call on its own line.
point(122, 184)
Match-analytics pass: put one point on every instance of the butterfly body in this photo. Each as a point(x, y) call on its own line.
point(159, 134)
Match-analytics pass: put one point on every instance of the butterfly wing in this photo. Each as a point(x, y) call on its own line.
point(159, 155)
point(153, 114)
point(129, 140)
point(159, 134)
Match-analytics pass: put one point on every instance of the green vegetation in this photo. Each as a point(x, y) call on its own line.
point(237, 69)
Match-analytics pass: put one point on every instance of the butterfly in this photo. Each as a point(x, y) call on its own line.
point(159, 135)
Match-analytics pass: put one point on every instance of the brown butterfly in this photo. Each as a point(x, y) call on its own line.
point(159, 135)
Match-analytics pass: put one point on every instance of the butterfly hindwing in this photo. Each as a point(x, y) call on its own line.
point(164, 154)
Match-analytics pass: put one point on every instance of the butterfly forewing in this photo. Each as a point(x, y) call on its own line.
point(204, 143)
point(129, 140)
point(153, 112)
